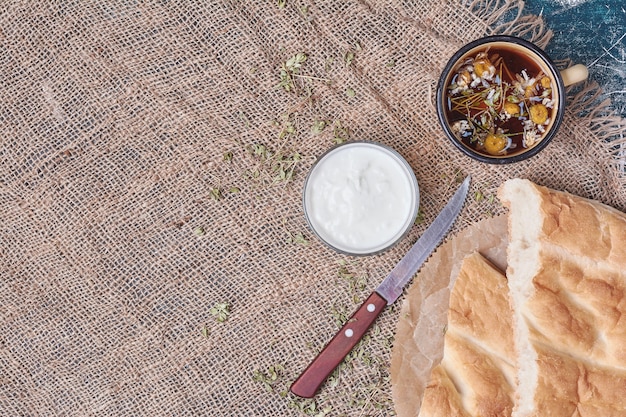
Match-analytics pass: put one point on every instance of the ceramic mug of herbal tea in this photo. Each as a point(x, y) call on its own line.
point(501, 99)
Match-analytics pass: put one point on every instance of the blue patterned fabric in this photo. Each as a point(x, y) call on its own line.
point(593, 33)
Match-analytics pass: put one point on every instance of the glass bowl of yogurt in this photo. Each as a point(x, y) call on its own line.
point(361, 198)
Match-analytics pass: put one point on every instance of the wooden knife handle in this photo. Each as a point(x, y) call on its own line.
point(339, 346)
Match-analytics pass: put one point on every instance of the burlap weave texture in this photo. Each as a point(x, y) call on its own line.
point(154, 257)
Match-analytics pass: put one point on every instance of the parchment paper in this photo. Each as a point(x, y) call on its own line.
point(418, 344)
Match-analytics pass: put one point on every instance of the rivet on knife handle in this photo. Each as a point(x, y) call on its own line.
point(338, 348)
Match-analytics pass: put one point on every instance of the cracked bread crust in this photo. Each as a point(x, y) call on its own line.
point(567, 279)
point(476, 374)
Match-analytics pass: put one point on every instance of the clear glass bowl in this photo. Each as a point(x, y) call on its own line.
point(361, 198)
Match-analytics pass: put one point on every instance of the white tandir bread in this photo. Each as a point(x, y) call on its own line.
point(476, 376)
point(567, 281)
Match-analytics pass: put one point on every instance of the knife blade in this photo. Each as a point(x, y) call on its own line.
point(310, 380)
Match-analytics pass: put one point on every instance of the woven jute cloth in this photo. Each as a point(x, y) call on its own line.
point(154, 255)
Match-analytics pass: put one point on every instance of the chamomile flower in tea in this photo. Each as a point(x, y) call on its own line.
point(500, 102)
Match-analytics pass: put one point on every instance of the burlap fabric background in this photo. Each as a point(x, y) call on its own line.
point(154, 257)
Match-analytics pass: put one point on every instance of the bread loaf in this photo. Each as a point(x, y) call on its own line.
point(567, 281)
point(476, 376)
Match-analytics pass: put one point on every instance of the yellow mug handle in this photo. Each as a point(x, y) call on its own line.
point(574, 74)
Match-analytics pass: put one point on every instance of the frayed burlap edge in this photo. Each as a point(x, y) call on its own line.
point(589, 104)
point(587, 101)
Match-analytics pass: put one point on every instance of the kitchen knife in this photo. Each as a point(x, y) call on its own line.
point(307, 384)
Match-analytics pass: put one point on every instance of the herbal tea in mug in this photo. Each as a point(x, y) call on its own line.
point(500, 99)
point(500, 102)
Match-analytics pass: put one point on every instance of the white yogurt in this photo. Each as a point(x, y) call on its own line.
point(361, 197)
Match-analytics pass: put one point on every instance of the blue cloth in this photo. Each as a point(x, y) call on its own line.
point(590, 32)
